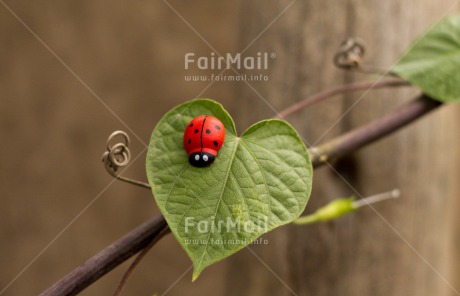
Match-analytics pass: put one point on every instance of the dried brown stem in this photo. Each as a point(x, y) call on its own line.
point(362, 85)
point(107, 259)
point(138, 259)
point(372, 131)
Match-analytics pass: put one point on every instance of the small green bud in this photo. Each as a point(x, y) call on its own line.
point(333, 210)
point(342, 206)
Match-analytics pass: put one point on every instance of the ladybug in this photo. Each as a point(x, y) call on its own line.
point(203, 137)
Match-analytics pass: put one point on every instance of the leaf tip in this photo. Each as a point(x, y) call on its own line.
point(196, 274)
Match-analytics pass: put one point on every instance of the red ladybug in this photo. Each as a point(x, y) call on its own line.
point(203, 137)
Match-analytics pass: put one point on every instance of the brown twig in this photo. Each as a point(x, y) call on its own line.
point(141, 236)
point(372, 131)
point(138, 259)
point(363, 85)
point(108, 258)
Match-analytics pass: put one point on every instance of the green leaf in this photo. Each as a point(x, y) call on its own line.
point(259, 181)
point(433, 61)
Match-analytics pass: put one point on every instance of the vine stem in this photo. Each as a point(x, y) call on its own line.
point(362, 85)
point(140, 237)
point(109, 258)
point(139, 258)
point(372, 131)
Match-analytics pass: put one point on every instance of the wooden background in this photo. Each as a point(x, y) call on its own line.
point(131, 55)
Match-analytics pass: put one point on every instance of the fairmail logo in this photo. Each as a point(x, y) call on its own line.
point(228, 225)
point(228, 61)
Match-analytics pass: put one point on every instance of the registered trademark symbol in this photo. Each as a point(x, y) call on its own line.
point(273, 55)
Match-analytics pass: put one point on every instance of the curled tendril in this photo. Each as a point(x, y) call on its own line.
point(350, 54)
point(117, 156)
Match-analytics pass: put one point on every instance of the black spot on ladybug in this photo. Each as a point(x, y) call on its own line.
point(217, 127)
point(191, 124)
point(215, 143)
point(208, 131)
point(196, 131)
point(189, 141)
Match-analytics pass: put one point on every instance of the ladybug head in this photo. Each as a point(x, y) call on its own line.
point(201, 159)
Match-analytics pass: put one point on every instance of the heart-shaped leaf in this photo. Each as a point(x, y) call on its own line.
point(259, 181)
point(433, 62)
